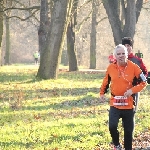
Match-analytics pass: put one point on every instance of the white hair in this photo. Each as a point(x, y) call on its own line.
point(120, 46)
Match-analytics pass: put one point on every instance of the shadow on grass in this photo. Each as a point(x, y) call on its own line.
point(53, 99)
point(83, 102)
point(79, 75)
point(47, 93)
point(56, 98)
point(31, 77)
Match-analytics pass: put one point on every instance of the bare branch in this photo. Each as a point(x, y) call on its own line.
point(23, 19)
point(29, 8)
point(102, 20)
point(84, 4)
point(84, 20)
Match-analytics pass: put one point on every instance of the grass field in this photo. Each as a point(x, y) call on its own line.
point(62, 114)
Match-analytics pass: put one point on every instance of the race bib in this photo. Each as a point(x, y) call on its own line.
point(120, 101)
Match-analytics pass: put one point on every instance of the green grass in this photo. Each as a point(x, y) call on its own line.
point(62, 114)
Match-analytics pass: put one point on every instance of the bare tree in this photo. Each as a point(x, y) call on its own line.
point(93, 36)
point(130, 11)
point(50, 55)
point(1, 29)
point(7, 14)
point(5, 9)
point(71, 50)
point(44, 24)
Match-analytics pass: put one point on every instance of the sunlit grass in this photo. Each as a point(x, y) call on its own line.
point(63, 114)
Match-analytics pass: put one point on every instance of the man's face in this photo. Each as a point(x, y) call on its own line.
point(121, 56)
point(129, 48)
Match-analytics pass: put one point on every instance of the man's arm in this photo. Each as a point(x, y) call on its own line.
point(142, 81)
point(104, 87)
point(143, 68)
point(105, 84)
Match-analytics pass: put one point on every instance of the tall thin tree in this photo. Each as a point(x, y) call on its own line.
point(44, 24)
point(71, 50)
point(93, 36)
point(1, 29)
point(8, 4)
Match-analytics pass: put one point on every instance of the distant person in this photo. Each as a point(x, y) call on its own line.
point(36, 56)
point(111, 58)
point(139, 54)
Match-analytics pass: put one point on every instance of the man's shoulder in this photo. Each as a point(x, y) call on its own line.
point(133, 66)
point(136, 58)
point(111, 66)
point(132, 63)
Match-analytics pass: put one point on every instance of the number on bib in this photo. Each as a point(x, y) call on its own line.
point(120, 101)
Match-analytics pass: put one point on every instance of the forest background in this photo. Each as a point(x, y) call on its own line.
point(24, 35)
point(44, 114)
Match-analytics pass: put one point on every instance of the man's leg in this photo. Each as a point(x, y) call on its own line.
point(36, 61)
point(128, 119)
point(113, 124)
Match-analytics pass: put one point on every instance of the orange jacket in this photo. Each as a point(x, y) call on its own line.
point(120, 79)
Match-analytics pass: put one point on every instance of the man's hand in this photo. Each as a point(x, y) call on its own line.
point(128, 93)
point(102, 99)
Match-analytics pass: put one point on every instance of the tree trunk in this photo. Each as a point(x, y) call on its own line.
point(7, 15)
point(50, 55)
point(139, 4)
point(73, 66)
point(1, 31)
point(71, 48)
point(130, 19)
point(111, 7)
point(7, 50)
point(44, 24)
point(93, 37)
point(131, 14)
